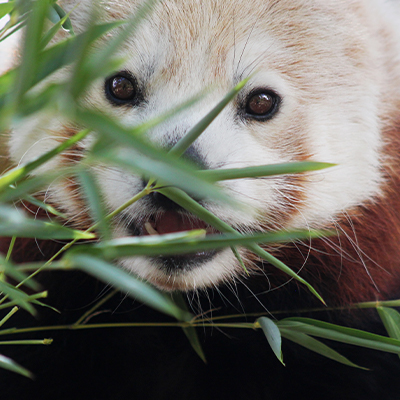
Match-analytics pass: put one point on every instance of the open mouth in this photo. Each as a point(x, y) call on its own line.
point(172, 222)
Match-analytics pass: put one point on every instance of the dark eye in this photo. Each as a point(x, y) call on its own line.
point(262, 105)
point(122, 89)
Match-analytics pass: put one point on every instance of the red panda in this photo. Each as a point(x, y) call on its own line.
point(324, 85)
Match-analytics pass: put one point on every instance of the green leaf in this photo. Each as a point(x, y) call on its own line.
point(64, 17)
point(33, 184)
point(46, 207)
point(18, 173)
point(95, 202)
point(29, 299)
point(391, 320)
point(8, 315)
point(181, 198)
point(182, 243)
point(316, 346)
point(60, 22)
point(184, 143)
point(341, 334)
point(141, 156)
point(273, 335)
point(11, 365)
point(30, 49)
point(190, 331)
point(11, 271)
point(6, 8)
point(126, 282)
point(214, 175)
point(17, 296)
point(13, 222)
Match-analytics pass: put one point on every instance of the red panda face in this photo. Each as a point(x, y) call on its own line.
point(320, 88)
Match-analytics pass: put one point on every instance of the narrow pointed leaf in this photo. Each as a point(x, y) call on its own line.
point(6, 8)
point(263, 170)
point(317, 346)
point(190, 331)
point(391, 320)
point(341, 334)
point(184, 143)
point(95, 202)
point(18, 173)
point(11, 365)
point(13, 222)
point(183, 243)
point(126, 282)
point(181, 198)
point(273, 336)
point(141, 156)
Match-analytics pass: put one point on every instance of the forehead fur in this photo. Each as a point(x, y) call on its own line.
point(293, 38)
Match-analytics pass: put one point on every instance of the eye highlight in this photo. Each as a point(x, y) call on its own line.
point(122, 89)
point(261, 104)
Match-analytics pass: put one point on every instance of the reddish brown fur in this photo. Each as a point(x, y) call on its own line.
point(362, 263)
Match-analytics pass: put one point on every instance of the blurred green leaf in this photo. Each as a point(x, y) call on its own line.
point(11, 365)
point(30, 49)
point(12, 272)
point(184, 143)
point(140, 156)
point(6, 8)
point(183, 243)
point(215, 175)
point(125, 282)
point(60, 22)
point(94, 201)
point(189, 331)
point(16, 174)
point(13, 222)
point(181, 198)
point(17, 296)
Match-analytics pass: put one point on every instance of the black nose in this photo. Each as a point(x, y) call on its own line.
point(158, 200)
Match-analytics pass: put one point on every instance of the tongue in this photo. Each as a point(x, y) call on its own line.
point(170, 222)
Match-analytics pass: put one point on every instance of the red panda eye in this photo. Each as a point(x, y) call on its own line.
point(262, 105)
point(122, 88)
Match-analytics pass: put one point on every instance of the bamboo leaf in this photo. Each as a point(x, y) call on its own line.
point(341, 334)
point(391, 321)
point(13, 222)
point(59, 22)
point(126, 282)
point(317, 347)
point(11, 365)
point(95, 202)
point(17, 296)
point(11, 271)
point(273, 336)
point(183, 243)
point(181, 198)
point(31, 49)
point(139, 155)
point(184, 143)
point(262, 170)
point(190, 331)
point(6, 8)
point(18, 173)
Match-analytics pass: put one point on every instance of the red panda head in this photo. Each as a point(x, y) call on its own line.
point(323, 83)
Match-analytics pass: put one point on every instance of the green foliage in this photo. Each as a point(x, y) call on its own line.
point(23, 94)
